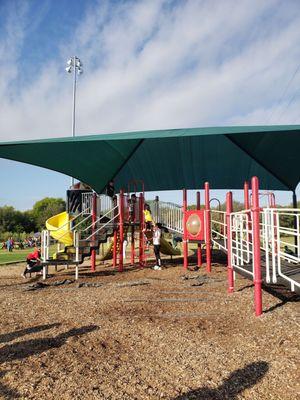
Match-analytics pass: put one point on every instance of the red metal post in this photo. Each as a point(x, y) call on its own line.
point(94, 219)
point(256, 247)
point(185, 240)
point(272, 202)
point(142, 227)
point(207, 228)
point(133, 216)
point(246, 195)
point(247, 207)
point(115, 243)
point(199, 254)
point(229, 242)
point(121, 229)
point(132, 246)
point(115, 248)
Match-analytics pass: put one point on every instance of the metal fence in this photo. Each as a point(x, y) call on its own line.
point(168, 214)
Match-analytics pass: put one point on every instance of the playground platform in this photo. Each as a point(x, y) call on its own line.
point(291, 270)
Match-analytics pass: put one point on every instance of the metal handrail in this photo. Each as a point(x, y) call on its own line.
point(170, 215)
point(99, 219)
point(75, 226)
point(67, 223)
point(101, 227)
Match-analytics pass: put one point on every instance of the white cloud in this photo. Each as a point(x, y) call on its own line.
point(160, 64)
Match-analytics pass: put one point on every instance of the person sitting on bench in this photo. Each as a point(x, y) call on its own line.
point(33, 262)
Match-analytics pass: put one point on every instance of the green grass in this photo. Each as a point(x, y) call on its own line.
point(20, 255)
point(15, 255)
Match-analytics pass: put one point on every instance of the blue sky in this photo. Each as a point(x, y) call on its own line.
point(147, 65)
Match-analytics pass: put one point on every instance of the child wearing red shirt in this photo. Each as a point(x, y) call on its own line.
point(33, 262)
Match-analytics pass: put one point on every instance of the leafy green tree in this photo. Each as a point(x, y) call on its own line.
point(46, 208)
point(29, 223)
point(11, 219)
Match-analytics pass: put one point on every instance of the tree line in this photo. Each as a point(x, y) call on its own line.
point(23, 223)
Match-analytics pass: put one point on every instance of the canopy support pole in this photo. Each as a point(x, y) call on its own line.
point(199, 250)
point(296, 222)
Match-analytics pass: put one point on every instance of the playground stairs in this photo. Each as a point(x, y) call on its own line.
point(85, 247)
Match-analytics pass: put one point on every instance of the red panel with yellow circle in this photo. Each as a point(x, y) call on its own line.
point(195, 224)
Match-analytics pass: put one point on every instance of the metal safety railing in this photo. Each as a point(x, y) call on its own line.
point(168, 214)
point(218, 229)
point(45, 245)
point(280, 240)
point(78, 230)
point(103, 203)
point(241, 241)
point(94, 227)
point(87, 203)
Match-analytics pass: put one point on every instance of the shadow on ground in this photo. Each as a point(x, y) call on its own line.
point(8, 337)
point(283, 294)
point(231, 387)
point(21, 350)
point(27, 348)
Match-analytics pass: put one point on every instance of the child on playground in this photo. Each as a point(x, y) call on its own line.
point(156, 245)
point(148, 217)
point(131, 207)
point(33, 262)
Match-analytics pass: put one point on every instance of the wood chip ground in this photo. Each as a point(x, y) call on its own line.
point(145, 334)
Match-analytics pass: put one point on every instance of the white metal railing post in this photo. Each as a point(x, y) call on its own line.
point(277, 244)
point(76, 244)
point(48, 245)
point(297, 251)
point(43, 256)
point(265, 231)
point(247, 222)
point(45, 238)
point(241, 239)
point(45, 251)
point(273, 219)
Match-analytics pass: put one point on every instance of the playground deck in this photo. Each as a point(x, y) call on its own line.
point(288, 269)
point(291, 270)
point(145, 334)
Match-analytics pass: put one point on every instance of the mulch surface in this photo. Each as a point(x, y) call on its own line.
point(145, 334)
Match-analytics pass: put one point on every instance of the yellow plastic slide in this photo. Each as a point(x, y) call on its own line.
point(107, 251)
point(59, 227)
point(167, 249)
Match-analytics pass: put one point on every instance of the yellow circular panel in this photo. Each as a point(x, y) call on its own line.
point(193, 224)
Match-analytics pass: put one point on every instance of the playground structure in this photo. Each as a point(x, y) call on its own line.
point(257, 241)
point(92, 220)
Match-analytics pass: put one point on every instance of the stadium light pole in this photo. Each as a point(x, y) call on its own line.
point(74, 65)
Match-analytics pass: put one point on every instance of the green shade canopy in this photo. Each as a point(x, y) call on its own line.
point(172, 159)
